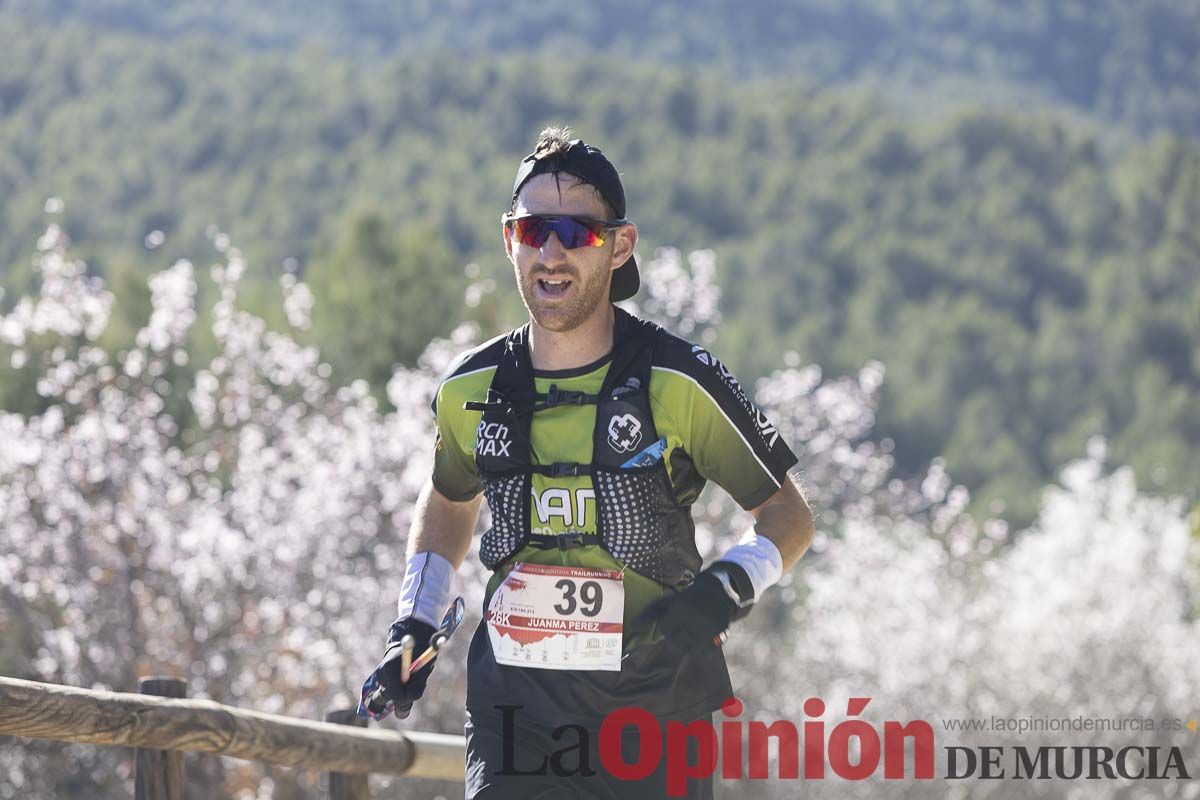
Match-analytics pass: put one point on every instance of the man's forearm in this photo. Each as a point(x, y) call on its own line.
point(787, 521)
point(438, 542)
point(442, 526)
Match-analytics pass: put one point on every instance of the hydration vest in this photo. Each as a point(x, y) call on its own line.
point(638, 521)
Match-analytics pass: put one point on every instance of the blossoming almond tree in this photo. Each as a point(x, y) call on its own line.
point(252, 545)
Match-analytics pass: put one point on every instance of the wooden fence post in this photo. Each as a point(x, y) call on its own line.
point(343, 786)
point(159, 773)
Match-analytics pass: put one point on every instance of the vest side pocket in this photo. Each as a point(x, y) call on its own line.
point(635, 522)
point(506, 496)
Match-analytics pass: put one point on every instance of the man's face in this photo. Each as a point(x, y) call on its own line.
point(563, 288)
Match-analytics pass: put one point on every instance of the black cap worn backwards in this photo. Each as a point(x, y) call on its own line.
point(589, 165)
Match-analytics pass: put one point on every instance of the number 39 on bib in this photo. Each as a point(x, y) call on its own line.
point(554, 617)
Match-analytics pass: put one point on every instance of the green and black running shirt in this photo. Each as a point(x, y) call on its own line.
point(712, 432)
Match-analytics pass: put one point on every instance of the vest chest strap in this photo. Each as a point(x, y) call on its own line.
point(564, 541)
point(564, 397)
point(537, 401)
point(561, 469)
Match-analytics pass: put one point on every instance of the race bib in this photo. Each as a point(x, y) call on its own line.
point(555, 617)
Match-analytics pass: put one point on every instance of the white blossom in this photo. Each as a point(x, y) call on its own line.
point(258, 552)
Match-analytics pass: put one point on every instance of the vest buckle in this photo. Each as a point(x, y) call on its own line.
point(570, 539)
point(563, 397)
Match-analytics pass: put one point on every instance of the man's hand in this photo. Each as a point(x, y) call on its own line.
point(696, 616)
point(389, 670)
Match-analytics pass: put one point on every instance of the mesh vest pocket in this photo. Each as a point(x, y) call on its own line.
point(635, 514)
point(508, 500)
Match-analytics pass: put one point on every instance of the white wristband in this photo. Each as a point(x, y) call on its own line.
point(759, 556)
point(426, 588)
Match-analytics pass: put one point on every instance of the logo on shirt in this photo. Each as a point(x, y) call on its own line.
point(492, 439)
point(703, 356)
point(709, 360)
point(766, 430)
point(631, 385)
point(572, 509)
point(769, 433)
point(624, 433)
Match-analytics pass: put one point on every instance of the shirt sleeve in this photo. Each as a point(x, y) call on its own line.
point(454, 474)
point(732, 443)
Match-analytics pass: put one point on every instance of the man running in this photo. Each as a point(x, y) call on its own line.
point(591, 432)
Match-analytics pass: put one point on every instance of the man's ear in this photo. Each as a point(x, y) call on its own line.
point(623, 244)
point(506, 235)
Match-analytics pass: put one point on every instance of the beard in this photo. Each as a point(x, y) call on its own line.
point(586, 293)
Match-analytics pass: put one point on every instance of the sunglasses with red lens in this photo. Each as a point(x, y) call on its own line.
point(573, 232)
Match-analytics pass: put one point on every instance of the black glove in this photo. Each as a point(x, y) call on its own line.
point(701, 612)
point(388, 671)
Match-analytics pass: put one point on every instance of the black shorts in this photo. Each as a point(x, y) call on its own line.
point(521, 769)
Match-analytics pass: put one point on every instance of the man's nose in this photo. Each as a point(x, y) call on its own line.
point(552, 251)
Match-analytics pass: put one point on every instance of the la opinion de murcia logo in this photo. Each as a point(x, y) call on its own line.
point(624, 433)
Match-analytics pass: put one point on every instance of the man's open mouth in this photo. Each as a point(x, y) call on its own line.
point(553, 288)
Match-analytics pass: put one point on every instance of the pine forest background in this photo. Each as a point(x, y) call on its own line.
point(976, 224)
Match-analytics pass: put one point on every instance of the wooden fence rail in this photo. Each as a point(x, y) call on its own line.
point(150, 723)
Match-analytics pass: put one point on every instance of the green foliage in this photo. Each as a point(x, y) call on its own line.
point(1024, 291)
point(384, 295)
point(1135, 62)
